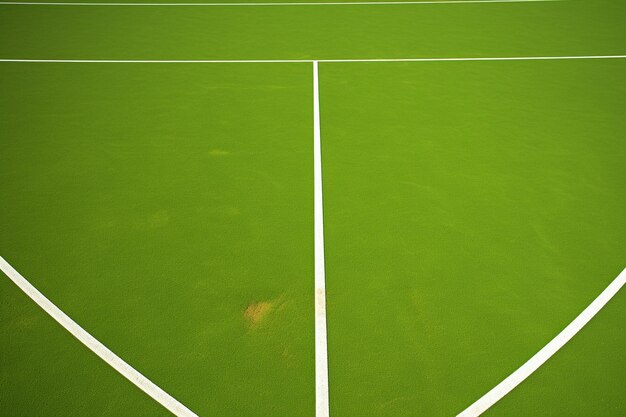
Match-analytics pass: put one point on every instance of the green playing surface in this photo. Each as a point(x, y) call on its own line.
point(481, 209)
point(472, 209)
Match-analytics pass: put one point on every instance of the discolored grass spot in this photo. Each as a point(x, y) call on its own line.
point(256, 313)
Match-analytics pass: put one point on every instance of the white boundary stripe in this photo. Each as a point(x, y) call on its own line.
point(321, 354)
point(321, 350)
point(95, 346)
point(546, 353)
point(356, 3)
point(292, 61)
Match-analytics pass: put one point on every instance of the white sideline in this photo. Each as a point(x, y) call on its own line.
point(321, 350)
point(356, 3)
point(95, 346)
point(546, 352)
point(292, 61)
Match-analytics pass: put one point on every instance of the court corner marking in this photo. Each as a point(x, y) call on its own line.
point(130, 373)
point(524, 371)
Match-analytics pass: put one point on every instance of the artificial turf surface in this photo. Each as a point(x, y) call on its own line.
point(481, 213)
point(168, 211)
point(472, 209)
point(576, 27)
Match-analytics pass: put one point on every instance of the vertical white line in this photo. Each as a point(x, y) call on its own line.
point(321, 353)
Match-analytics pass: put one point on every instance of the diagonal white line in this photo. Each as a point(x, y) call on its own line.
point(356, 3)
point(524, 371)
point(96, 346)
point(321, 349)
point(293, 61)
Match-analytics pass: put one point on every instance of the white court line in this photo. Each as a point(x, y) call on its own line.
point(291, 61)
point(95, 346)
point(546, 352)
point(356, 3)
point(321, 349)
point(321, 355)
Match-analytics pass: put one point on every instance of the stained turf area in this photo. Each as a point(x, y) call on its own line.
point(472, 209)
point(157, 206)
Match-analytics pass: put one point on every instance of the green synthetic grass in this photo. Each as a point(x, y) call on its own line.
point(46, 372)
point(168, 210)
point(472, 210)
point(582, 379)
point(387, 31)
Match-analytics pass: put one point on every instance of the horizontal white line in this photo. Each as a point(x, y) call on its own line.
point(96, 346)
point(512, 58)
point(160, 61)
point(546, 353)
point(271, 61)
point(356, 3)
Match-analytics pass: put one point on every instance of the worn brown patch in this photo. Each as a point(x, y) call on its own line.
point(256, 313)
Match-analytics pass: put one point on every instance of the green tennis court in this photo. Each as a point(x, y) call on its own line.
point(162, 187)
